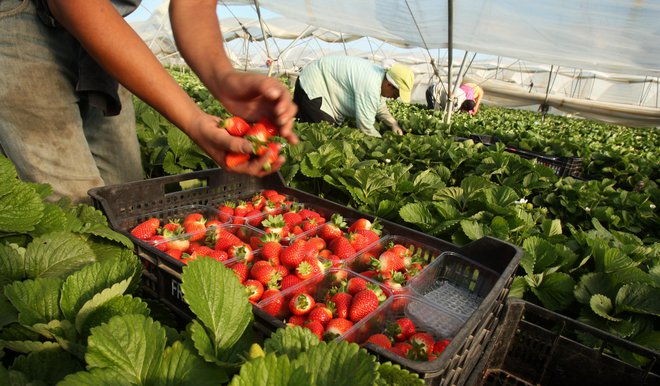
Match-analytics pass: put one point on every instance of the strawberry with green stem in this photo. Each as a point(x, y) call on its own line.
point(146, 229)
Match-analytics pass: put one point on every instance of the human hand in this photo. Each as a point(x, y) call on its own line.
point(254, 96)
point(216, 142)
point(396, 129)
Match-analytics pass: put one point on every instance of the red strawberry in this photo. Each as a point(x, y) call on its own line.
point(315, 327)
point(274, 148)
point(309, 267)
point(276, 225)
point(241, 209)
point(370, 235)
point(175, 253)
point(271, 248)
point(180, 244)
point(173, 227)
point(292, 219)
point(381, 340)
point(241, 251)
point(364, 302)
point(342, 302)
point(226, 211)
point(358, 241)
point(277, 198)
point(361, 223)
point(388, 261)
point(258, 201)
point(402, 348)
point(270, 127)
point(241, 270)
point(254, 289)
point(147, 229)
point(439, 346)
point(235, 126)
point(265, 273)
point(226, 239)
point(401, 329)
point(258, 135)
point(318, 243)
point(296, 320)
point(234, 159)
point(422, 343)
point(254, 217)
point(321, 313)
point(332, 229)
point(195, 223)
point(336, 327)
point(157, 242)
point(274, 306)
point(289, 281)
point(341, 247)
point(293, 255)
point(355, 285)
point(301, 304)
point(269, 192)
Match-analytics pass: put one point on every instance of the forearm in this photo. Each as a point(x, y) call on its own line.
point(107, 37)
point(199, 40)
point(383, 115)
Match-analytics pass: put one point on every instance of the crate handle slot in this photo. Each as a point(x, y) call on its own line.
point(185, 185)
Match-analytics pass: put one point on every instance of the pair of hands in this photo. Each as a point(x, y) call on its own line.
point(250, 96)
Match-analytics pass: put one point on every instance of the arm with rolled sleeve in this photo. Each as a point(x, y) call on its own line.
point(383, 115)
point(365, 115)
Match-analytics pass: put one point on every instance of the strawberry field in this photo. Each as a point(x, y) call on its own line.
point(72, 311)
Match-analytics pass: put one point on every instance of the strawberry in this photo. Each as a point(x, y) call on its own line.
point(401, 329)
point(342, 302)
point(296, 320)
point(318, 243)
point(275, 225)
point(235, 126)
point(289, 281)
point(226, 211)
point(225, 239)
point(302, 304)
point(274, 155)
point(388, 261)
point(364, 302)
point(292, 219)
point(175, 253)
point(355, 285)
point(180, 244)
point(269, 192)
point(277, 198)
point(258, 135)
point(157, 241)
point(271, 248)
point(321, 313)
point(361, 223)
point(332, 229)
point(234, 159)
point(369, 234)
point(293, 255)
point(274, 306)
point(381, 340)
point(240, 251)
point(315, 327)
point(270, 127)
point(146, 229)
point(265, 273)
point(309, 267)
point(402, 348)
point(341, 247)
point(195, 223)
point(258, 201)
point(254, 289)
point(336, 327)
point(282, 271)
point(254, 217)
point(422, 343)
point(173, 227)
point(241, 270)
point(439, 346)
point(358, 241)
point(241, 208)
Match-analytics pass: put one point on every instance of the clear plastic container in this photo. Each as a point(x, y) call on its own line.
point(455, 283)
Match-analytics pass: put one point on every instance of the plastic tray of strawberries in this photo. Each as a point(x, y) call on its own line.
point(172, 223)
point(455, 283)
point(407, 329)
point(394, 260)
point(329, 289)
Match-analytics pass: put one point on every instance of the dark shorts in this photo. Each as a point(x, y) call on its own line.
point(309, 110)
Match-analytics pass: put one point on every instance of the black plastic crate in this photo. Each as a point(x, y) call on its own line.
point(161, 277)
point(535, 346)
point(563, 166)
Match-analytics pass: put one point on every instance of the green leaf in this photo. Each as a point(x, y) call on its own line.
point(37, 301)
point(602, 306)
point(130, 345)
point(640, 298)
point(551, 227)
point(8, 314)
point(21, 208)
point(28, 346)
point(82, 285)
point(337, 364)
point(518, 287)
point(418, 214)
point(13, 377)
point(594, 283)
point(291, 341)
point(271, 370)
point(203, 342)
point(53, 220)
point(180, 366)
point(611, 259)
point(56, 255)
point(49, 366)
point(218, 299)
point(12, 264)
point(118, 305)
point(393, 375)
point(555, 291)
point(99, 300)
point(96, 377)
point(472, 229)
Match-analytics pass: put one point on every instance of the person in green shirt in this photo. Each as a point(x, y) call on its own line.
point(334, 88)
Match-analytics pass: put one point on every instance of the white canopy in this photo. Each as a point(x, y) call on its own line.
point(591, 58)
